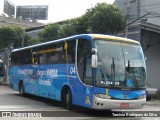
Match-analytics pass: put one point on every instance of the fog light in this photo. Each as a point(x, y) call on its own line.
point(102, 96)
point(142, 97)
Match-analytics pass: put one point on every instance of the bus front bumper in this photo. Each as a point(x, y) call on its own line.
point(99, 103)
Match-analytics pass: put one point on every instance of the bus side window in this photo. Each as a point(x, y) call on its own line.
point(27, 57)
point(51, 58)
point(71, 51)
point(16, 59)
point(58, 58)
point(84, 61)
point(21, 58)
point(43, 59)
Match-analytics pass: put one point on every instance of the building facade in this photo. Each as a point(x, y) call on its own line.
point(29, 12)
point(9, 8)
point(143, 24)
point(38, 12)
point(32, 12)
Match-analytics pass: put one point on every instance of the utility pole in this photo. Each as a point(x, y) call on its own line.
point(127, 13)
point(138, 8)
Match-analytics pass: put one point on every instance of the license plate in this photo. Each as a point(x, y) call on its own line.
point(124, 105)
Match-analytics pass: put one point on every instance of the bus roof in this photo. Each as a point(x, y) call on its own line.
point(100, 36)
point(89, 36)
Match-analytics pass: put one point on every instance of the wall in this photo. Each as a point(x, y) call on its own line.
point(133, 14)
point(153, 7)
point(153, 66)
point(139, 8)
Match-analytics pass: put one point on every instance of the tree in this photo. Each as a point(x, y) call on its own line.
point(68, 28)
point(33, 41)
point(22, 36)
point(104, 19)
point(50, 32)
point(12, 36)
point(82, 24)
point(101, 19)
point(6, 37)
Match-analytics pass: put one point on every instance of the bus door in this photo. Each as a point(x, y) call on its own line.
point(73, 78)
point(88, 84)
point(85, 71)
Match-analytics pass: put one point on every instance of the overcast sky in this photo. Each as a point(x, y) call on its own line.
point(63, 9)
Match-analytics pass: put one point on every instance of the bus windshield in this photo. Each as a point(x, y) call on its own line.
point(120, 65)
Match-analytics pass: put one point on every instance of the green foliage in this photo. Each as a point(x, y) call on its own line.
point(12, 36)
point(104, 19)
point(7, 35)
point(101, 19)
point(33, 41)
point(21, 35)
point(50, 32)
point(68, 29)
point(82, 24)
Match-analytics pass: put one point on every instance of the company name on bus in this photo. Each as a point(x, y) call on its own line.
point(50, 72)
point(45, 82)
point(25, 71)
point(49, 50)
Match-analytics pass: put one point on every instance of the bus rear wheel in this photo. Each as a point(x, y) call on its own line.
point(67, 99)
point(21, 89)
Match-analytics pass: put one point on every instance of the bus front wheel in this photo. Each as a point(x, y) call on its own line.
point(21, 89)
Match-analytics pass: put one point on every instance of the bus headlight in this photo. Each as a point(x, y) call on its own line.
point(142, 97)
point(102, 96)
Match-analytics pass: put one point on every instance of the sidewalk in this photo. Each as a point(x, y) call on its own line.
point(4, 83)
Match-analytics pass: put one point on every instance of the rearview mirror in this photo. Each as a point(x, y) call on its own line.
point(94, 58)
point(94, 61)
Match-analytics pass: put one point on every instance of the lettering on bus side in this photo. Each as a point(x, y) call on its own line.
point(72, 71)
point(48, 72)
point(25, 71)
point(47, 82)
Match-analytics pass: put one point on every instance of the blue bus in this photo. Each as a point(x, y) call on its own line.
point(90, 70)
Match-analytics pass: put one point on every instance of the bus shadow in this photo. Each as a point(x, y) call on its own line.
point(47, 101)
point(76, 111)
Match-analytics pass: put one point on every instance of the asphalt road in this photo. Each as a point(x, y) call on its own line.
point(37, 108)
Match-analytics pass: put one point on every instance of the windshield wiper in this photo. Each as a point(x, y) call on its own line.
point(131, 75)
point(128, 66)
point(113, 71)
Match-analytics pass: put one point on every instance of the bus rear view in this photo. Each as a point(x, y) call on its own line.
point(120, 74)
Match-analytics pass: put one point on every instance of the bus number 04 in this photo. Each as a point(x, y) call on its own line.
point(72, 70)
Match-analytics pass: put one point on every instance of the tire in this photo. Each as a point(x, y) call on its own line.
point(21, 89)
point(67, 99)
point(148, 98)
